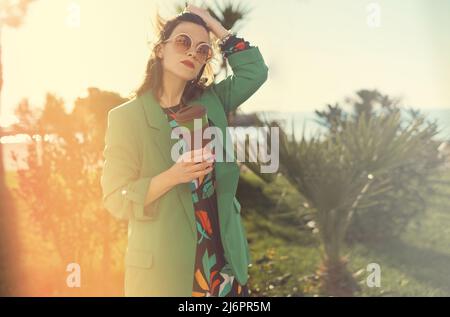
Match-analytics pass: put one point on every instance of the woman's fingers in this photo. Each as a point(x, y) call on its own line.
point(196, 156)
point(199, 167)
point(191, 156)
point(201, 173)
point(199, 159)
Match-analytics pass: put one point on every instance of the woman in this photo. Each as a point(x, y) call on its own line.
point(183, 239)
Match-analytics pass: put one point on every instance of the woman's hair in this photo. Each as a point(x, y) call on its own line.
point(154, 71)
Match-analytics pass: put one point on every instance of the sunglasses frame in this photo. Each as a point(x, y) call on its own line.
point(172, 38)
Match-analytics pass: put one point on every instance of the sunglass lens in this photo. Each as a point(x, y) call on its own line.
point(183, 42)
point(204, 52)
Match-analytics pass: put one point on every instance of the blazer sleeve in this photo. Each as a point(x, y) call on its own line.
point(123, 191)
point(249, 73)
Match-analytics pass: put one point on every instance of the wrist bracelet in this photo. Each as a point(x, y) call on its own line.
point(225, 38)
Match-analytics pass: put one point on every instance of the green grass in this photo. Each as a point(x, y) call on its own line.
point(285, 256)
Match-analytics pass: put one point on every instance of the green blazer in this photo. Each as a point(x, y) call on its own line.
point(162, 236)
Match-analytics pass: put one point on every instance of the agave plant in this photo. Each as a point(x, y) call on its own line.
point(405, 190)
point(334, 173)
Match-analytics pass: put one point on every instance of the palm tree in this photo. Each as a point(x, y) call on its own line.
point(335, 173)
point(411, 184)
point(12, 13)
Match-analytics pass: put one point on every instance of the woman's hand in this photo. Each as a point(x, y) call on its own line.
point(215, 26)
point(203, 13)
point(191, 165)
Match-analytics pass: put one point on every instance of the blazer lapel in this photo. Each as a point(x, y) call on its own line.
point(157, 120)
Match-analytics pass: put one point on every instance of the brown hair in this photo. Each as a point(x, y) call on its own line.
point(153, 75)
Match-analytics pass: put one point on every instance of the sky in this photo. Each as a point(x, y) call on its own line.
point(318, 51)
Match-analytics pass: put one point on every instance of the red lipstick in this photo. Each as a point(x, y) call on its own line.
point(188, 63)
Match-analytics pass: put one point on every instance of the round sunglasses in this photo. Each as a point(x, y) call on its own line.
point(183, 42)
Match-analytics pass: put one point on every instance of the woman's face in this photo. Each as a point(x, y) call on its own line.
point(177, 62)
